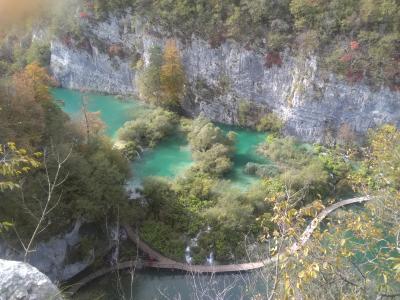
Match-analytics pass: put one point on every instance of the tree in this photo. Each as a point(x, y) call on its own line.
point(91, 122)
point(149, 129)
point(212, 149)
point(356, 253)
point(172, 76)
point(149, 81)
point(39, 53)
point(51, 201)
point(37, 78)
point(13, 163)
point(21, 120)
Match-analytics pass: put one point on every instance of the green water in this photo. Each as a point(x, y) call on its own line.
point(149, 285)
point(246, 144)
point(171, 156)
point(114, 112)
point(167, 159)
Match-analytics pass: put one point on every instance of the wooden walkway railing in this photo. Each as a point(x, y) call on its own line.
point(162, 262)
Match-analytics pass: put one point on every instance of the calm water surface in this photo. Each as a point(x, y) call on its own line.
point(172, 155)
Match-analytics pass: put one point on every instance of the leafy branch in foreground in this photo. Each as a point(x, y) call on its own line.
point(13, 163)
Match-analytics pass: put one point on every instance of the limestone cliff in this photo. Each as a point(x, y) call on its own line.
point(225, 80)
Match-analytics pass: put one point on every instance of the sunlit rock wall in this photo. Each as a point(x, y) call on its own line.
point(314, 105)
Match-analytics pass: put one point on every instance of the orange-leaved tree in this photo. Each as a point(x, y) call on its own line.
point(172, 76)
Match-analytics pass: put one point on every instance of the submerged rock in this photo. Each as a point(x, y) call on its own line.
point(19, 281)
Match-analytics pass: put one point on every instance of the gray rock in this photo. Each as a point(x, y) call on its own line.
point(314, 105)
point(21, 281)
point(51, 257)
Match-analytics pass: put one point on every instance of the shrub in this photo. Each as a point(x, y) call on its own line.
point(116, 50)
point(39, 53)
point(270, 123)
point(163, 238)
point(243, 111)
point(149, 129)
point(260, 170)
point(211, 148)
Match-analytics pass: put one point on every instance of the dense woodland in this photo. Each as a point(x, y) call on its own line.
point(55, 170)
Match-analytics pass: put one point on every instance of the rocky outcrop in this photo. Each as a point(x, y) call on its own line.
point(79, 69)
point(51, 257)
point(21, 281)
point(224, 81)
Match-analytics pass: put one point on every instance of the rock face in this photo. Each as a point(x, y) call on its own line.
point(77, 69)
point(21, 281)
point(52, 257)
point(228, 81)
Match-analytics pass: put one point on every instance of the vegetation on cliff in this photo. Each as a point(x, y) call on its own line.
point(162, 82)
point(358, 39)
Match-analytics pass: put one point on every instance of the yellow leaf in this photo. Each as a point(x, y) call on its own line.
point(316, 267)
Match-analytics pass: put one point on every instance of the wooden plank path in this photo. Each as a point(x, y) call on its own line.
point(167, 263)
point(162, 262)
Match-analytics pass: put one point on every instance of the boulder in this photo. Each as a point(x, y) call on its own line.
point(21, 281)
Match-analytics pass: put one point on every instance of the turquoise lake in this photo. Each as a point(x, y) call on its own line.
point(172, 155)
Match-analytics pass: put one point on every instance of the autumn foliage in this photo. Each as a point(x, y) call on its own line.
point(273, 58)
point(172, 75)
point(354, 45)
point(83, 15)
point(35, 81)
point(346, 58)
point(23, 106)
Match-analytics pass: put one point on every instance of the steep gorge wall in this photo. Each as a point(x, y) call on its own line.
point(221, 81)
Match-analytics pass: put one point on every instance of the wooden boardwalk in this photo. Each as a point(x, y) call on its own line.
point(162, 262)
point(157, 260)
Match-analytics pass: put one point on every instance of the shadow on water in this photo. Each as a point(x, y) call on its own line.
point(152, 284)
